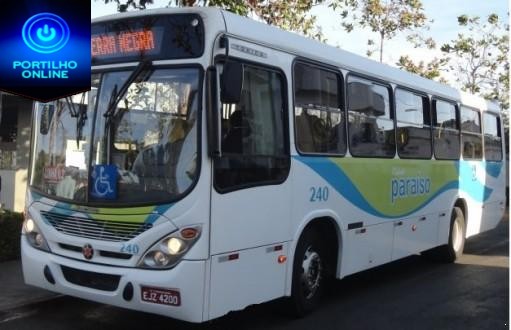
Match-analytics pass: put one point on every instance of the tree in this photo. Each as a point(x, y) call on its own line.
point(124, 5)
point(292, 15)
point(431, 70)
point(385, 17)
point(479, 58)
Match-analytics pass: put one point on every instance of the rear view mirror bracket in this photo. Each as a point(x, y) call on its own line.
point(231, 79)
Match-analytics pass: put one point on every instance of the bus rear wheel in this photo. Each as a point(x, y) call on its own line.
point(454, 248)
point(308, 274)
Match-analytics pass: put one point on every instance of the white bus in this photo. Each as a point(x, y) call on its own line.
point(218, 162)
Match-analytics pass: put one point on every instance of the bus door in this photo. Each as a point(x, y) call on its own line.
point(251, 196)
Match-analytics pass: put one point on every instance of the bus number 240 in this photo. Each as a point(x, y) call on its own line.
point(318, 194)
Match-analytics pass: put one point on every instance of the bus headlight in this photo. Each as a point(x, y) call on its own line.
point(34, 236)
point(175, 245)
point(167, 252)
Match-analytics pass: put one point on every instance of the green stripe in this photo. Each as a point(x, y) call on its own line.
point(373, 179)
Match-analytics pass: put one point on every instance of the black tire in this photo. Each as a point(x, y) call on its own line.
point(308, 274)
point(453, 250)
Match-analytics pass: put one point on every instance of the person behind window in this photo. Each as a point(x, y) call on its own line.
point(233, 141)
point(66, 187)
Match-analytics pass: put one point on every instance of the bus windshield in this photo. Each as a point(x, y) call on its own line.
point(149, 133)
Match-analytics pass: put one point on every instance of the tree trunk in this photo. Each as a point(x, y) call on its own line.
point(382, 35)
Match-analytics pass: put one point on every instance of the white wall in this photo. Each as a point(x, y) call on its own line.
point(14, 185)
point(14, 180)
point(7, 189)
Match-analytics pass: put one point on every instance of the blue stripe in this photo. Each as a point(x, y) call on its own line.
point(158, 210)
point(493, 168)
point(334, 175)
point(471, 185)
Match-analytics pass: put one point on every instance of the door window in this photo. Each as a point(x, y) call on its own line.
point(254, 133)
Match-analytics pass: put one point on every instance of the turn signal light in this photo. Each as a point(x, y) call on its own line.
point(189, 233)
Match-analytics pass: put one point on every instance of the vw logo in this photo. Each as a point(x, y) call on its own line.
point(88, 251)
point(45, 33)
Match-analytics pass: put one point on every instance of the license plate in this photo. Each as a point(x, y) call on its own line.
point(161, 296)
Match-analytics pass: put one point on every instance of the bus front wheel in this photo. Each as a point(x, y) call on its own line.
point(308, 274)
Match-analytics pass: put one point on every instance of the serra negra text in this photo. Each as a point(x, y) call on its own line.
point(44, 69)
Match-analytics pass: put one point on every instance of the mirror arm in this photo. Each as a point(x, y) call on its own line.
point(231, 79)
point(224, 43)
point(213, 114)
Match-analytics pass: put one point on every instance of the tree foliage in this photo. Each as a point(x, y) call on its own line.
point(292, 15)
point(431, 70)
point(123, 6)
point(479, 59)
point(385, 17)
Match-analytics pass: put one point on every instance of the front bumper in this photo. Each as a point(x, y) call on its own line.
point(188, 277)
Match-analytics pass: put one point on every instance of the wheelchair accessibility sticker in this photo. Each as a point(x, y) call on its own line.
point(104, 182)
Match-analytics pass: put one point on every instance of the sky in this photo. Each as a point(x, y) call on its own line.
point(444, 27)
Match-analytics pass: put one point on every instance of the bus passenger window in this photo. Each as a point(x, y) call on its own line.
point(446, 133)
point(413, 125)
point(471, 138)
point(370, 123)
point(254, 151)
point(492, 137)
point(319, 119)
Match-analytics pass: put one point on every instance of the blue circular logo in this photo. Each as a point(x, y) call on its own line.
point(45, 33)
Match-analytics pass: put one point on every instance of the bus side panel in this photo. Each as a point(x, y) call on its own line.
point(318, 192)
point(415, 235)
point(237, 278)
point(367, 247)
point(396, 201)
point(481, 186)
point(495, 205)
point(492, 213)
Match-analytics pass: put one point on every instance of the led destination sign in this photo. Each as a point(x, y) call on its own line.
point(125, 43)
point(160, 37)
point(44, 48)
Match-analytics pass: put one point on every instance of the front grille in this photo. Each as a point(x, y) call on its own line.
point(116, 231)
point(98, 281)
point(116, 255)
point(70, 247)
point(106, 254)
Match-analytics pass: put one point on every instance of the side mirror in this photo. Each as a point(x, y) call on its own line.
point(231, 82)
point(47, 111)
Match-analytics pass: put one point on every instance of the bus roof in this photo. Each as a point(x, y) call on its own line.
point(272, 37)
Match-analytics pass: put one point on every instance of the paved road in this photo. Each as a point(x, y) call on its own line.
point(412, 293)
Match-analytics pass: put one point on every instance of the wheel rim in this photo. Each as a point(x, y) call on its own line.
point(457, 234)
point(311, 275)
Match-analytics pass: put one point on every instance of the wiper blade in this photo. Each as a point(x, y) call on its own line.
point(71, 106)
point(116, 96)
point(80, 121)
point(80, 114)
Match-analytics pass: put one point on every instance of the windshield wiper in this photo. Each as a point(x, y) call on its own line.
point(80, 121)
point(116, 95)
point(80, 114)
point(71, 106)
